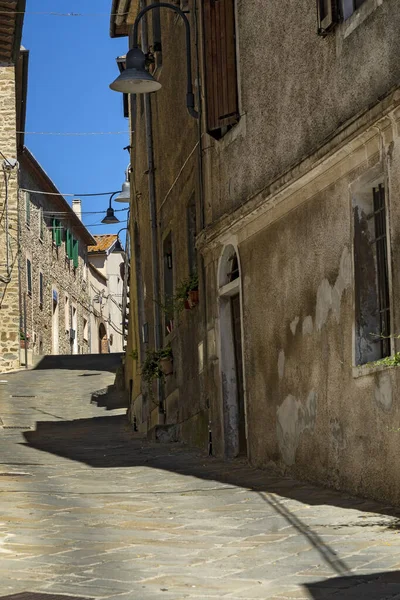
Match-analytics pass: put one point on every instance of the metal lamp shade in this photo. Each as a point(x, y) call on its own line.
point(125, 195)
point(135, 79)
point(110, 217)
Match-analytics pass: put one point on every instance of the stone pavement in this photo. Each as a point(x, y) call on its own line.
point(89, 510)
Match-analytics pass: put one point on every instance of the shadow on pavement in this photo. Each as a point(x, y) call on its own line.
point(375, 586)
point(81, 362)
point(110, 398)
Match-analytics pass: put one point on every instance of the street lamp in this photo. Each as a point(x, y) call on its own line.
point(125, 195)
point(110, 217)
point(136, 80)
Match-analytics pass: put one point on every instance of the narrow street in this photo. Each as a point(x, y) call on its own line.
point(89, 510)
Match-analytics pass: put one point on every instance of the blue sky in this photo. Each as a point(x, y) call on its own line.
point(71, 64)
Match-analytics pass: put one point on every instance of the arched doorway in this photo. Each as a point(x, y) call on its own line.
point(231, 353)
point(103, 341)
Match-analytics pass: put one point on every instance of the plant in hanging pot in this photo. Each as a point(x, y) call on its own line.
point(193, 291)
point(166, 360)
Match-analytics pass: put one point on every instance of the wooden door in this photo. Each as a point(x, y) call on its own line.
point(237, 342)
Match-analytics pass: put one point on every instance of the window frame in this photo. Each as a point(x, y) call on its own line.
point(29, 276)
point(41, 289)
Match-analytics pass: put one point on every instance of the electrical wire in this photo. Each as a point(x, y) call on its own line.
point(66, 195)
point(74, 133)
point(56, 14)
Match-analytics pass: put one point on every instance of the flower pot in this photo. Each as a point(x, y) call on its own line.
point(193, 298)
point(24, 343)
point(166, 366)
point(187, 305)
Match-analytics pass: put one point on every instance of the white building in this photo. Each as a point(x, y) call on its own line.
point(106, 264)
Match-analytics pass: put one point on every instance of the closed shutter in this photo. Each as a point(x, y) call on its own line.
point(220, 63)
point(58, 233)
point(41, 290)
point(75, 253)
point(29, 276)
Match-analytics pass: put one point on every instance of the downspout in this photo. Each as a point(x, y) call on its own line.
point(153, 215)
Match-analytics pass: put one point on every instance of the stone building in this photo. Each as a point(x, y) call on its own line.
point(54, 281)
point(283, 195)
point(10, 40)
point(106, 260)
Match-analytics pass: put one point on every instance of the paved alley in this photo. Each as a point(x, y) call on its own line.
point(89, 510)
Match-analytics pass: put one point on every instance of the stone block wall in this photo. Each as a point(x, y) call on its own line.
point(61, 280)
point(9, 299)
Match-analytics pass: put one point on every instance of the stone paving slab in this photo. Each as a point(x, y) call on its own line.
point(91, 511)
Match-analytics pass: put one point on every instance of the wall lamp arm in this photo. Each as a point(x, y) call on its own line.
point(189, 93)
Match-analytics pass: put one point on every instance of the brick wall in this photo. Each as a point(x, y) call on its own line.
point(9, 299)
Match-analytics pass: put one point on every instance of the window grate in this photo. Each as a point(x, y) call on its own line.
point(382, 268)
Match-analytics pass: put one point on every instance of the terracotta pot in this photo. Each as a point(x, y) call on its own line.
point(193, 298)
point(187, 305)
point(166, 366)
point(23, 342)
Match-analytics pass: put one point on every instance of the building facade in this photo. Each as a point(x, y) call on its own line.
point(54, 279)
point(106, 260)
point(10, 39)
point(283, 197)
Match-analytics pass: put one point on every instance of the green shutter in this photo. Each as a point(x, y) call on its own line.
point(75, 253)
point(54, 230)
point(68, 244)
point(58, 233)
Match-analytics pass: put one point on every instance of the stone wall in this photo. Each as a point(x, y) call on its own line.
point(61, 280)
point(9, 299)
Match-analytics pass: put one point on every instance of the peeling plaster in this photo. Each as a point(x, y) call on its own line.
point(383, 392)
point(293, 325)
point(307, 326)
point(281, 364)
point(329, 297)
point(293, 419)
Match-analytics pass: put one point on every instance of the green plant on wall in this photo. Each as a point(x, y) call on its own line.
point(177, 302)
point(151, 369)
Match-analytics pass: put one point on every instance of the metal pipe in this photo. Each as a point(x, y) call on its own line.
point(152, 201)
point(135, 37)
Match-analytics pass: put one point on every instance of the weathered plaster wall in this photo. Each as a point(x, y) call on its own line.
point(9, 299)
point(296, 89)
point(309, 410)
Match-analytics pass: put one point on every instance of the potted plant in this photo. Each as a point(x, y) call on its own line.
point(23, 342)
point(165, 360)
point(157, 365)
point(193, 291)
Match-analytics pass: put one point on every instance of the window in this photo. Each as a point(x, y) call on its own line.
point(41, 228)
point(192, 229)
point(85, 330)
point(41, 290)
point(327, 15)
point(220, 66)
point(168, 283)
point(28, 209)
point(348, 7)
point(56, 230)
point(29, 276)
point(68, 244)
point(371, 276)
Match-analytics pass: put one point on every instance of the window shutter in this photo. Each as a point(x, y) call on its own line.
point(29, 275)
point(327, 15)
point(75, 253)
point(28, 207)
point(54, 230)
point(68, 244)
point(220, 63)
point(58, 233)
point(41, 289)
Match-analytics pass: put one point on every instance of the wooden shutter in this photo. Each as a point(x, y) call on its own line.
point(58, 233)
point(41, 289)
point(75, 253)
point(220, 63)
point(29, 275)
point(327, 15)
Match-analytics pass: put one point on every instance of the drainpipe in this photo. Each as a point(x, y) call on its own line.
point(153, 214)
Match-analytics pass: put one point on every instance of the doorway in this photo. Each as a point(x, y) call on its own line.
point(103, 341)
point(74, 321)
point(231, 355)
